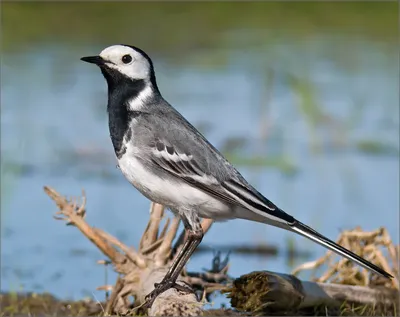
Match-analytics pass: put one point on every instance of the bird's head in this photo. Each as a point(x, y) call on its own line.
point(124, 63)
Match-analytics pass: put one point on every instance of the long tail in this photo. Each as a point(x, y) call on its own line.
point(313, 235)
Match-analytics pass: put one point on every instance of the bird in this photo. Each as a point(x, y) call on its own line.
point(171, 163)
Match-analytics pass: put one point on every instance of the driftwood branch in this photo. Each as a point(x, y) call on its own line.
point(140, 269)
point(75, 216)
point(256, 292)
point(348, 282)
point(269, 291)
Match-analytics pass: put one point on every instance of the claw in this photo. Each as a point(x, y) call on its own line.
point(160, 288)
point(182, 288)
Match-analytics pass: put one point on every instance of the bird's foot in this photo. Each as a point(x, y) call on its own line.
point(160, 288)
point(182, 288)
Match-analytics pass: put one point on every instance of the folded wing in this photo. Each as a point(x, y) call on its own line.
point(233, 190)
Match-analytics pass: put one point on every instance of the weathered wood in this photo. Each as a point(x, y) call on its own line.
point(270, 291)
point(140, 269)
point(256, 292)
point(171, 302)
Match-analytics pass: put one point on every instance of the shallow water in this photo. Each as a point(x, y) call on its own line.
point(318, 117)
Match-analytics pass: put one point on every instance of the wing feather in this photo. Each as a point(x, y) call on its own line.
point(232, 191)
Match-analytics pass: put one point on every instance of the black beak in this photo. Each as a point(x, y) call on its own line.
point(94, 60)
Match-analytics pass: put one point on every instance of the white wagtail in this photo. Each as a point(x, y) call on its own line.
point(171, 163)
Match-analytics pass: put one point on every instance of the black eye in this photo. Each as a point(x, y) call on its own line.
point(126, 59)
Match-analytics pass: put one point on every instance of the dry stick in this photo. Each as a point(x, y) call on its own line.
point(315, 292)
point(306, 266)
point(69, 211)
point(107, 287)
point(150, 234)
point(362, 234)
point(141, 285)
point(394, 255)
point(165, 246)
point(143, 239)
point(157, 243)
point(116, 289)
point(130, 252)
point(152, 247)
point(165, 229)
point(206, 225)
point(385, 266)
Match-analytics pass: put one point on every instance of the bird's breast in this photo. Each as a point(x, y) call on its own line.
point(167, 189)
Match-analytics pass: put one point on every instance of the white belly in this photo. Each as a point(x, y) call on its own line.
point(170, 193)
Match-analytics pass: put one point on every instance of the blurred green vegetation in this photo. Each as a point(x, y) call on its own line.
point(32, 304)
point(176, 29)
point(309, 107)
point(184, 26)
point(376, 147)
point(179, 28)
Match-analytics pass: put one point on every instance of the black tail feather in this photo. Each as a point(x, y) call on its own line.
point(313, 235)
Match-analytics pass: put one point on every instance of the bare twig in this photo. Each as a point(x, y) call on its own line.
point(139, 270)
point(165, 247)
point(129, 251)
point(151, 248)
point(70, 212)
point(150, 234)
point(116, 289)
point(165, 229)
point(206, 225)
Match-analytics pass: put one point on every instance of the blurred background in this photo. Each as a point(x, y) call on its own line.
point(302, 97)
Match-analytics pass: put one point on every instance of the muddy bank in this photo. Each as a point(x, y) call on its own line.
point(45, 304)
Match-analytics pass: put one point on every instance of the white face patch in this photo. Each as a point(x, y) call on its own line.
point(138, 66)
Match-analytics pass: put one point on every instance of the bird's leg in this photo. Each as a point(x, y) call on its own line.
point(195, 235)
